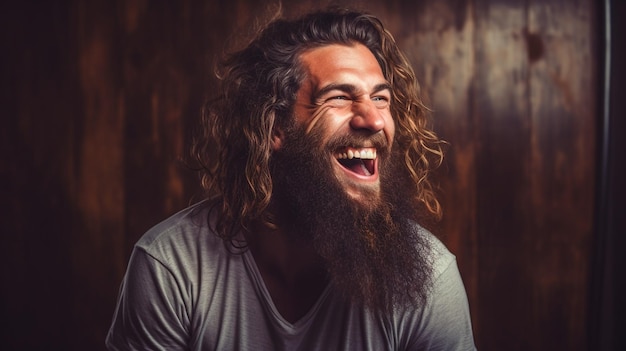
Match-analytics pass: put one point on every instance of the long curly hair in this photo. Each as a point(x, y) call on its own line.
point(258, 90)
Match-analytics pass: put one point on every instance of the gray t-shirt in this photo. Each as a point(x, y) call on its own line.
point(185, 289)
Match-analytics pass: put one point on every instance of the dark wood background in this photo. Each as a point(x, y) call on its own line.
point(99, 100)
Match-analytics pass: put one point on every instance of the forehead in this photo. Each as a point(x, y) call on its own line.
point(329, 63)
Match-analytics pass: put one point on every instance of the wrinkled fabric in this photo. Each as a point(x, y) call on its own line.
point(185, 289)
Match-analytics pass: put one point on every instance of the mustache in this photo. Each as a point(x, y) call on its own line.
point(377, 140)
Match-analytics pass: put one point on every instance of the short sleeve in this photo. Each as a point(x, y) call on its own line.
point(445, 322)
point(150, 313)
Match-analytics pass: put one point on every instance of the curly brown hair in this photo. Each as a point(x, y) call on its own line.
point(259, 85)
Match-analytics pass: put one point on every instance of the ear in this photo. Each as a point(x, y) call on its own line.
point(277, 138)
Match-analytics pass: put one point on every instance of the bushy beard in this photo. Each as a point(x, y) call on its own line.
point(373, 252)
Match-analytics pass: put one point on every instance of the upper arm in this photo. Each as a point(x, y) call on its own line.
point(150, 313)
point(445, 323)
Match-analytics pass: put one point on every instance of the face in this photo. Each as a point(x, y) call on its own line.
point(338, 185)
point(345, 101)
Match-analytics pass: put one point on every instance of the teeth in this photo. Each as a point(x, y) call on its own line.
point(368, 154)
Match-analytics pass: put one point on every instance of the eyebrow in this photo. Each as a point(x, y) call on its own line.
point(348, 89)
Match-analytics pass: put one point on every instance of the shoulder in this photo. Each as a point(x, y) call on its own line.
point(160, 287)
point(444, 322)
point(440, 257)
point(182, 237)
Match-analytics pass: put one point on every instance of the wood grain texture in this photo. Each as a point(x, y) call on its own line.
point(536, 165)
point(99, 101)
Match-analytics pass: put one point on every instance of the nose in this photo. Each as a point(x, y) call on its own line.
point(367, 117)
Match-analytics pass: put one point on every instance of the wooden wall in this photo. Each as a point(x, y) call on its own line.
point(99, 100)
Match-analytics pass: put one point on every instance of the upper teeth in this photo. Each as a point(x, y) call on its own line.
point(369, 154)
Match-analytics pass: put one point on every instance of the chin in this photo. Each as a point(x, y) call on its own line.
point(365, 196)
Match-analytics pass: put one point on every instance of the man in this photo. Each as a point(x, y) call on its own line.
point(316, 160)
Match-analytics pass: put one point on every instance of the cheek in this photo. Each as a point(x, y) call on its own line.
point(327, 122)
point(317, 120)
point(390, 128)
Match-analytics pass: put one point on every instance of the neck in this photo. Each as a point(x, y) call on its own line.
point(291, 270)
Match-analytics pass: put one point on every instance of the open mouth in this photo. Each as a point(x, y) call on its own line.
point(361, 161)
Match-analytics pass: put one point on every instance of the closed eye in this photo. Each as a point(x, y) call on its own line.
point(338, 101)
point(342, 95)
point(380, 101)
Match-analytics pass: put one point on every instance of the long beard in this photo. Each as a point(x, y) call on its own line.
point(373, 252)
